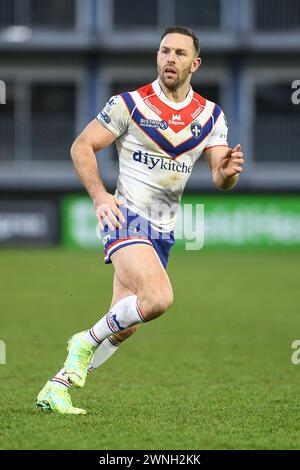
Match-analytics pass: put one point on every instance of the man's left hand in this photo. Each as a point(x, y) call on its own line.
point(231, 163)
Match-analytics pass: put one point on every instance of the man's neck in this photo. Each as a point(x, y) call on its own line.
point(178, 95)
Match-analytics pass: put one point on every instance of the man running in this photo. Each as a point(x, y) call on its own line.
point(160, 131)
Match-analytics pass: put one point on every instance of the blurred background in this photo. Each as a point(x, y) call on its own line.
point(62, 59)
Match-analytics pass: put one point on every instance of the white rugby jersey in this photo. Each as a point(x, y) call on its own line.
point(158, 143)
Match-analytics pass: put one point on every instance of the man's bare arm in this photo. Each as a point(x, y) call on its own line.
point(225, 165)
point(93, 139)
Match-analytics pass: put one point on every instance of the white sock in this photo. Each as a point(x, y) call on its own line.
point(123, 314)
point(102, 353)
point(61, 379)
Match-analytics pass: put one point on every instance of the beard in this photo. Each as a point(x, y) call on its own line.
point(175, 82)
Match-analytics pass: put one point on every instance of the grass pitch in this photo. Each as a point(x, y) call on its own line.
point(214, 372)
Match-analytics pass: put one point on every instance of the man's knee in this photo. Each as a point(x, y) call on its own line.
point(157, 303)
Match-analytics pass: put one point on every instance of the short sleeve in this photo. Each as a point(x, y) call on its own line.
point(114, 116)
point(219, 133)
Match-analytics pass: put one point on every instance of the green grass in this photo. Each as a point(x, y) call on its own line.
point(214, 372)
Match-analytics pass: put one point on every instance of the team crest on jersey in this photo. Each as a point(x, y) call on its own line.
point(196, 129)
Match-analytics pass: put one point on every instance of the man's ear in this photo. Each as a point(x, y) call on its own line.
point(196, 64)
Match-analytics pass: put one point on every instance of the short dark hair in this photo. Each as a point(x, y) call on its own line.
point(185, 32)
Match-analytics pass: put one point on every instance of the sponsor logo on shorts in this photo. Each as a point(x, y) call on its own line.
point(133, 229)
point(106, 239)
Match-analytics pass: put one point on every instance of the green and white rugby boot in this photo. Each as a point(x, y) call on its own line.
point(80, 355)
point(55, 398)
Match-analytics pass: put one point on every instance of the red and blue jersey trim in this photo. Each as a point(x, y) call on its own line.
point(156, 136)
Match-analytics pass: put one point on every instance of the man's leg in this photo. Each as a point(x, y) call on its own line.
point(55, 395)
point(140, 271)
point(148, 294)
point(111, 344)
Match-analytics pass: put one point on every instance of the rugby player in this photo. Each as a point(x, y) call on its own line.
point(160, 131)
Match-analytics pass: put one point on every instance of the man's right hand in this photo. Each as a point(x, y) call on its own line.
point(107, 210)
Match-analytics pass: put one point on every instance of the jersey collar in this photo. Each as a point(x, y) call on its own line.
point(158, 91)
